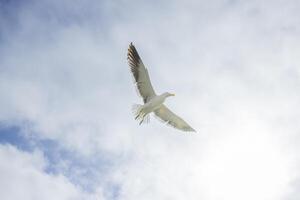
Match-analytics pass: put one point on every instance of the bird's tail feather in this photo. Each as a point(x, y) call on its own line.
point(136, 109)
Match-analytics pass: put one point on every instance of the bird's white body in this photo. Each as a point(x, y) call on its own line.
point(153, 104)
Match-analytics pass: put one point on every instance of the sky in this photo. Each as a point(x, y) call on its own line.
point(66, 127)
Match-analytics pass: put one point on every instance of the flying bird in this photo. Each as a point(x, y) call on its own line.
point(152, 101)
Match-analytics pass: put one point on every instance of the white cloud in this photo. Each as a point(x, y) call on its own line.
point(247, 162)
point(233, 65)
point(23, 177)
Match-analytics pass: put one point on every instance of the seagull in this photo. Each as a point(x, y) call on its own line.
point(153, 103)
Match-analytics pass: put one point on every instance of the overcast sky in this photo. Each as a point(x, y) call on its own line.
point(66, 127)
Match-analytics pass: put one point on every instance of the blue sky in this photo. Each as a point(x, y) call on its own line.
point(66, 128)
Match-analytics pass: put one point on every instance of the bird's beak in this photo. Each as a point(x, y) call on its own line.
point(172, 94)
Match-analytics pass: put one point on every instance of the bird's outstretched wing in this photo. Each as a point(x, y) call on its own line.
point(172, 119)
point(140, 74)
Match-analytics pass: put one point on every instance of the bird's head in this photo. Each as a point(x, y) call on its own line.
point(167, 94)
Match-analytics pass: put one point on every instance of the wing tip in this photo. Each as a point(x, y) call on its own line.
point(131, 46)
point(190, 129)
point(132, 54)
